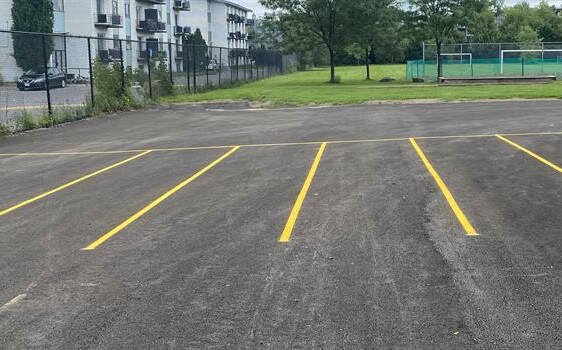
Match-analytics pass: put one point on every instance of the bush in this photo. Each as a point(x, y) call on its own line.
point(26, 121)
point(161, 79)
point(112, 95)
point(5, 130)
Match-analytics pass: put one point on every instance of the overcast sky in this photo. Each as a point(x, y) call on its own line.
point(252, 4)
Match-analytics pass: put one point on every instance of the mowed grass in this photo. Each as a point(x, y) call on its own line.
point(311, 88)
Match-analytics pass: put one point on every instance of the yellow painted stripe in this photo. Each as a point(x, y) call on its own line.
point(392, 139)
point(286, 235)
point(159, 200)
point(72, 183)
point(531, 153)
point(469, 229)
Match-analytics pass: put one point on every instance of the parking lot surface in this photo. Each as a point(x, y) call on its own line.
point(429, 226)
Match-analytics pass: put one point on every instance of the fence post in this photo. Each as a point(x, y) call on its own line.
point(122, 66)
point(245, 57)
point(65, 56)
point(207, 61)
point(220, 65)
point(45, 66)
point(251, 70)
point(170, 63)
point(91, 72)
point(186, 64)
point(194, 68)
point(148, 54)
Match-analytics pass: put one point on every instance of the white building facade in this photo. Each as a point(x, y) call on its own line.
point(148, 26)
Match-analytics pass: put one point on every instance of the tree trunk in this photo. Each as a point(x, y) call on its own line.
point(332, 66)
point(439, 63)
point(367, 64)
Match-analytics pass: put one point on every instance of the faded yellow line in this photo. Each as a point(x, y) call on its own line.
point(159, 200)
point(531, 153)
point(23, 108)
point(72, 183)
point(286, 235)
point(469, 229)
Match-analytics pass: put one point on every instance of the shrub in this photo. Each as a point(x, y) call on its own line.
point(161, 78)
point(26, 121)
point(112, 92)
point(5, 130)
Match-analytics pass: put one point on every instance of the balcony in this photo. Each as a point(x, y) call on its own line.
point(143, 55)
point(151, 26)
point(240, 19)
point(153, 2)
point(250, 22)
point(179, 55)
point(110, 55)
point(179, 30)
point(231, 17)
point(180, 5)
point(231, 36)
point(108, 21)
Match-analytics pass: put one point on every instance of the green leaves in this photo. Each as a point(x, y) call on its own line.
point(32, 16)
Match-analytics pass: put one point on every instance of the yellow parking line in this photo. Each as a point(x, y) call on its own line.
point(529, 152)
point(159, 200)
point(304, 143)
point(23, 108)
point(286, 235)
point(469, 229)
point(72, 183)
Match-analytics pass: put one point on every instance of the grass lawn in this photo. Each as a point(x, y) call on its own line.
point(311, 88)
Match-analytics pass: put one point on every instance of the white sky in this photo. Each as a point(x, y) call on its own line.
point(252, 4)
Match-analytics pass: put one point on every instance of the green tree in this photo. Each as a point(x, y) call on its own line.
point(437, 18)
point(324, 19)
point(197, 49)
point(32, 16)
point(374, 23)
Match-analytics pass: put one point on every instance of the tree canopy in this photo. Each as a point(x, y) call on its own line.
point(32, 16)
point(384, 31)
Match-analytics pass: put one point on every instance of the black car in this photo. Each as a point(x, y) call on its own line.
point(34, 79)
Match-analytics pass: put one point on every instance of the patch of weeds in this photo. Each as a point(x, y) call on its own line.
point(5, 130)
point(46, 121)
point(26, 121)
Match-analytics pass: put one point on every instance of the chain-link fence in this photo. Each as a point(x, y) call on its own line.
point(488, 60)
point(46, 75)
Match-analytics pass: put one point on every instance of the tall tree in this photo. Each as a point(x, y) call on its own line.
point(373, 21)
point(32, 16)
point(437, 18)
point(197, 49)
point(324, 19)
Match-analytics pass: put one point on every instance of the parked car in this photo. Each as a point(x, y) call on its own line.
point(34, 79)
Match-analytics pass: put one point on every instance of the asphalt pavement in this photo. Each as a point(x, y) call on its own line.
point(214, 227)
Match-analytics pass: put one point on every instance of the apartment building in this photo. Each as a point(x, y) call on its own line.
point(222, 23)
point(146, 25)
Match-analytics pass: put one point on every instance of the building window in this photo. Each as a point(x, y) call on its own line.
point(127, 9)
point(139, 13)
point(128, 45)
point(58, 5)
point(115, 7)
point(101, 41)
point(99, 6)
